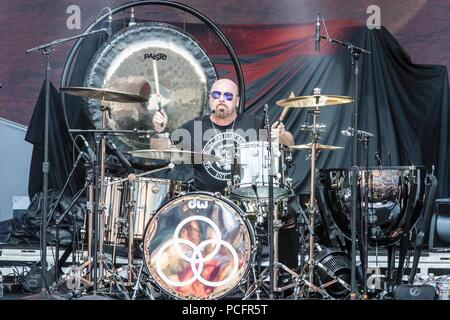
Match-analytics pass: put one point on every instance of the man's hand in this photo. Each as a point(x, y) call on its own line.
point(160, 121)
point(132, 177)
point(286, 137)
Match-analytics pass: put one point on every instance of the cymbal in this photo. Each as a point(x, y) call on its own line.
point(174, 155)
point(319, 147)
point(311, 101)
point(104, 94)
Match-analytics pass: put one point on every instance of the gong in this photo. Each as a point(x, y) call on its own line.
point(137, 60)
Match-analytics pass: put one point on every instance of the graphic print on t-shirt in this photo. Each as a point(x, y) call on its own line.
point(222, 146)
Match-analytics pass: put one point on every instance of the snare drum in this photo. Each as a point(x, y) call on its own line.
point(198, 246)
point(253, 169)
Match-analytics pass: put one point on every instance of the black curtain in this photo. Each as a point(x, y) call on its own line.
point(404, 104)
point(60, 146)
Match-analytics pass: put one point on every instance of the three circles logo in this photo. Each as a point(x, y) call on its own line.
point(196, 259)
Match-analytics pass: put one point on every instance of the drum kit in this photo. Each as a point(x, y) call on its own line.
point(202, 245)
point(195, 245)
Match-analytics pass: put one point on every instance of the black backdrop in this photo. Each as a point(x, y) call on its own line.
point(404, 104)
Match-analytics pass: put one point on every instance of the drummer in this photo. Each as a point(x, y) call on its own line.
point(218, 134)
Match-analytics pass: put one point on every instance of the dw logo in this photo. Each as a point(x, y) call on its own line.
point(193, 204)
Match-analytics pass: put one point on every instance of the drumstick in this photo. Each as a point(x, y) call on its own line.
point(155, 74)
point(286, 109)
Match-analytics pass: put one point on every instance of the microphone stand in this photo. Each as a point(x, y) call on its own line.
point(47, 50)
point(272, 275)
point(355, 53)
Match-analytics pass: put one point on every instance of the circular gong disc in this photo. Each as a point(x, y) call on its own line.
point(132, 62)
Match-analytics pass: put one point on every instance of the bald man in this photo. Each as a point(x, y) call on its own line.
point(217, 134)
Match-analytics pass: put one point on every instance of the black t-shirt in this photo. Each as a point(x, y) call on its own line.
point(202, 135)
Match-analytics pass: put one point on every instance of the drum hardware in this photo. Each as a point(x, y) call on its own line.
point(319, 127)
point(47, 50)
point(103, 95)
point(136, 286)
point(364, 137)
point(355, 53)
point(88, 180)
point(315, 101)
point(75, 279)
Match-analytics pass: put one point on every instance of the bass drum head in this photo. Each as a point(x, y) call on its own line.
point(135, 58)
point(198, 246)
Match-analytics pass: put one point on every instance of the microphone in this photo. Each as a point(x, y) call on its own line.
point(213, 111)
point(109, 29)
point(377, 157)
point(132, 21)
point(127, 165)
point(317, 36)
point(89, 149)
point(349, 133)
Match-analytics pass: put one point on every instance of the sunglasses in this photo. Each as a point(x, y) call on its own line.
point(227, 95)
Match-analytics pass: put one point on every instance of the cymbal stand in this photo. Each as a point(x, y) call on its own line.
point(274, 221)
point(101, 213)
point(355, 53)
point(47, 50)
point(309, 278)
point(364, 137)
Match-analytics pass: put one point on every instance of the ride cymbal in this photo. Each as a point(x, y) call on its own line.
point(313, 101)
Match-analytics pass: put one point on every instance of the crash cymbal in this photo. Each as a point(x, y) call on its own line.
point(174, 155)
point(319, 147)
point(311, 101)
point(104, 94)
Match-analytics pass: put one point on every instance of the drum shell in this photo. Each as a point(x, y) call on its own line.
point(389, 198)
point(148, 195)
point(253, 168)
point(236, 231)
point(114, 206)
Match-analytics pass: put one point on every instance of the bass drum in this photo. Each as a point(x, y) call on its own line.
point(396, 199)
point(198, 246)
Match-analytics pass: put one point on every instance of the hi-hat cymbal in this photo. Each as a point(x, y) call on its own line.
point(311, 101)
point(174, 155)
point(319, 147)
point(104, 94)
